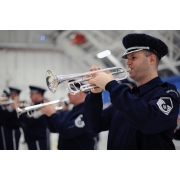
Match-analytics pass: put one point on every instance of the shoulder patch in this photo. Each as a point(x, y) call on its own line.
point(165, 105)
point(78, 121)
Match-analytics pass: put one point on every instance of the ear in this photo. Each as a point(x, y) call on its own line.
point(153, 59)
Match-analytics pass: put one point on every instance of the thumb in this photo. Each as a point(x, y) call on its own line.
point(108, 72)
point(91, 81)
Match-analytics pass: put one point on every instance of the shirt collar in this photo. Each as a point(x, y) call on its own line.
point(78, 106)
point(148, 86)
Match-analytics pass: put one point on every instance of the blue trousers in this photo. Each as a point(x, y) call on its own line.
point(42, 144)
point(12, 137)
point(2, 139)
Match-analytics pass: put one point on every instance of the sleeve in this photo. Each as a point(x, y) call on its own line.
point(96, 119)
point(151, 117)
point(68, 128)
point(30, 120)
point(10, 114)
point(177, 134)
point(50, 126)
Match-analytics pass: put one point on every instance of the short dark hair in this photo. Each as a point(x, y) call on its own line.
point(148, 53)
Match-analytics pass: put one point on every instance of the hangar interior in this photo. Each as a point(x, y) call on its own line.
point(26, 55)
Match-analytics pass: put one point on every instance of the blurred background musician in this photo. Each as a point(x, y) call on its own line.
point(4, 97)
point(70, 125)
point(35, 129)
point(176, 139)
point(12, 124)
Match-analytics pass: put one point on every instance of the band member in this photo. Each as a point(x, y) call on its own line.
point(3, 98)
point(70, 125)
point(177, 132)
point(12, 124)
point(35, 129)
point(143, 117)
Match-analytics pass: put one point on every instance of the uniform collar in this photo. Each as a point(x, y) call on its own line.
point(78, 106)
point(148, 86)
point(40, 102)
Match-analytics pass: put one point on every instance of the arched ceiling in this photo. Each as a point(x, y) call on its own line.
point(96, 41)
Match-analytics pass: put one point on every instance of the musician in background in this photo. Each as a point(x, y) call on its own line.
point(141, 118)
point(12, 124)
point(70, 125)
point(64, 105)
point(35, 128)
point(176, 139)
point(3, 98)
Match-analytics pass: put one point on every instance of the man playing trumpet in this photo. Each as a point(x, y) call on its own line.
point(141, 118)
point(4, 97)
point(70, 125)
point(12, 124)
point(36, 130)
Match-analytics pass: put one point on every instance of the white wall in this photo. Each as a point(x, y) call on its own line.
point(21, 68)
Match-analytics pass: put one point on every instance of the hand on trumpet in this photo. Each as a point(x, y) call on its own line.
point(15, 105)
point(48, 110)
point(100, 79)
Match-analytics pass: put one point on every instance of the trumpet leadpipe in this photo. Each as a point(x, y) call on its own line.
point(34, 107)
point(38, 106)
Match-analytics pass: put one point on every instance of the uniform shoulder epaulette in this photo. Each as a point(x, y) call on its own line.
point(168, 85)
point(164, 84)
point(171, 88)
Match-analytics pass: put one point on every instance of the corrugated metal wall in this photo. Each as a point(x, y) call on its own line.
point(21, 68)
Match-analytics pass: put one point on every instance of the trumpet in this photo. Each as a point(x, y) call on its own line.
point(6, 105)
point(31, 109)
point(53, 80)
point(3, 98)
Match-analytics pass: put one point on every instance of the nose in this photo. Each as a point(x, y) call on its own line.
point(129, 62)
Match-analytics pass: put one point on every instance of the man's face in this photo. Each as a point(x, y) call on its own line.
point(33, 97)
point(73, 98)
point(14, 96)
point(139, 65)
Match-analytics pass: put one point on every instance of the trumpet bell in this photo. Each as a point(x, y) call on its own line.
point(51, 81)
point(19, 111)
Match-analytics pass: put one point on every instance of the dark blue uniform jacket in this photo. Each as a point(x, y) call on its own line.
point(73, 133)
point(141, 118)
point(177, 133)
point(2, 117)
point(34, 128)
point(10, 119)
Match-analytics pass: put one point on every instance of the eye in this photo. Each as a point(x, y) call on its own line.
point(132, 58)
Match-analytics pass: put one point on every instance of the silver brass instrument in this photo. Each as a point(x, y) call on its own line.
point(30, 109)
point(53, 80)
point(6, 105)
point(3, 98)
